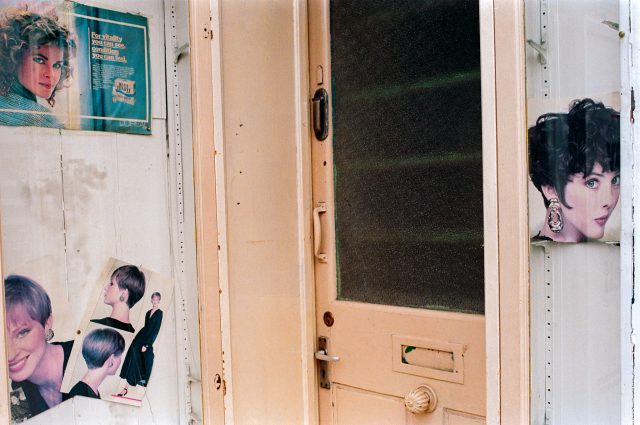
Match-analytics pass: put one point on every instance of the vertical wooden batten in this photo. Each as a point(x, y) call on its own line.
point(490, 207)
point(206, 212)
point(513, 238)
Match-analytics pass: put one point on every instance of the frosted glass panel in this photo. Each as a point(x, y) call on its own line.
point(407, 153)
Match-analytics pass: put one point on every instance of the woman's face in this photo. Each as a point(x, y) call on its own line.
point(592, 198)
point(112, 292)
point(155, 301)
point(26, 340)
point(40, 70)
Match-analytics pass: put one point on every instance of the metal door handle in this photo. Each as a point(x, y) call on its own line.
point(322, 355)
point(320, 104)
point(321, 207)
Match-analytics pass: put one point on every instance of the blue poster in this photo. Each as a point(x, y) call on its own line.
point(71, 66)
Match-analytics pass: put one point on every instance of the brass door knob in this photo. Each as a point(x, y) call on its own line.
point(421, 400)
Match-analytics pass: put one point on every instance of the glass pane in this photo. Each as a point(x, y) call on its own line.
point(407, 153)
point(573, 104)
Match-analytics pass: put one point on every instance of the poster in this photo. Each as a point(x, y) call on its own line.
point(574, 170)
point(67, 65)
point(108, 356)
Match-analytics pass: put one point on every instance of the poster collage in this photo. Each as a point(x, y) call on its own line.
point(109, 356)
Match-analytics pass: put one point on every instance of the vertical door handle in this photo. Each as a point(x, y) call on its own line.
point(320, 104)
point(321, 207)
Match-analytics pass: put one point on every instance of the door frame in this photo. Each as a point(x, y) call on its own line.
point(504, 137)
point(504, 121)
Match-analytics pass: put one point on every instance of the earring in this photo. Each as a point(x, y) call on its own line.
point(48, 336)
point(554, 219)
point(121, 298)
point(111, 364)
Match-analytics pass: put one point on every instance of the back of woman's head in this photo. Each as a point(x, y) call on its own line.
point(561, 145)
point(22, 291)
point(22, 31)
point(99, 345)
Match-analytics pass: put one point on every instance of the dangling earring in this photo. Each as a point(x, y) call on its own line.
point(121, 298)
point(554, 219)
point(48, 336)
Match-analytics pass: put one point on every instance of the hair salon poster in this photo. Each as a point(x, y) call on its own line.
point(109, 355)
point(574, 170)
point(73, 66)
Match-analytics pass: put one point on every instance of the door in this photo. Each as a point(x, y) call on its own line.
point(398, 211)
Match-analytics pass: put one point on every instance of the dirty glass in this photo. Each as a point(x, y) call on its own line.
point(407, 153)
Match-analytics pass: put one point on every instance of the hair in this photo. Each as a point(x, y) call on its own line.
point(156, 294)
point(561, 145)
point(99, 345)
point(20, 290)
point(132, 279)
point(22, 31)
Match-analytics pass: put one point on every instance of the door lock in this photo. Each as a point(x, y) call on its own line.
point(323, 362)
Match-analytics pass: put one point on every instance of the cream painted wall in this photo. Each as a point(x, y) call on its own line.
point(263, 45)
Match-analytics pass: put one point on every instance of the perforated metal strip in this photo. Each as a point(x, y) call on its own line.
point(544, 40)
point(179, 244)
point(548, 336)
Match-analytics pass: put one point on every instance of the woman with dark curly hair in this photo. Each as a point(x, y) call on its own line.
point(574, 161)
point(35, 53)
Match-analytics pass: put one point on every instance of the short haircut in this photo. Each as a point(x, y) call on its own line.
point(156, 294)
point(20, 290)
point(22, 31)
point(99, 344)
point(132, 279)
point(561, 145)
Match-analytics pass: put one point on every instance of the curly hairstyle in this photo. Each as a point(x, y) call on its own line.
point(22, 31)
point(561, 145)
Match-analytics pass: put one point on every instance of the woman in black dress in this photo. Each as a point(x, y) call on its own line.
point(137, 365)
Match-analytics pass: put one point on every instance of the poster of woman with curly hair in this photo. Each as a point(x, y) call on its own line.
point(71, 66)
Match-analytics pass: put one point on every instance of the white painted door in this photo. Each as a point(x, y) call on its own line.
point(398, 212)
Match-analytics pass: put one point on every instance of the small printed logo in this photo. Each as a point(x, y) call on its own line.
point(124, 91)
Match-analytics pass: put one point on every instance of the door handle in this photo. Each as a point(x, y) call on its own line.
point(321, 207)
point(323, 364)
point(320, 104)
point(323, 356)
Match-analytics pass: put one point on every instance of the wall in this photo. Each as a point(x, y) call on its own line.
point(76, 198)
point(267, 217)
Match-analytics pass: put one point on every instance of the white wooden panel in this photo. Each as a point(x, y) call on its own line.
point(583, 53)
point(584, 339)
point(79, 198)
point(30, 195)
